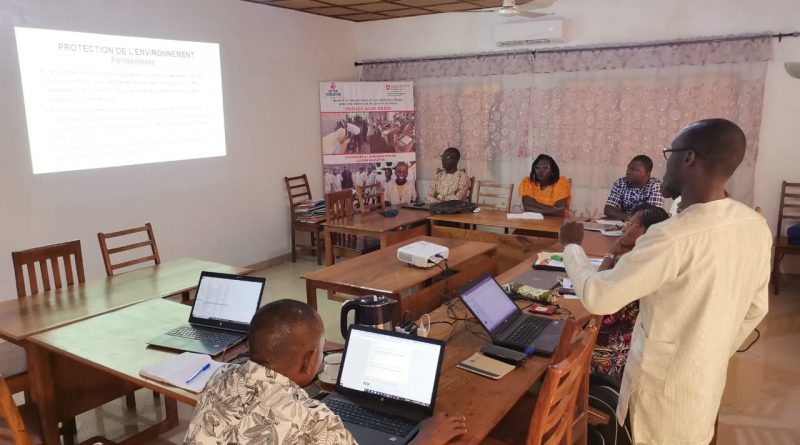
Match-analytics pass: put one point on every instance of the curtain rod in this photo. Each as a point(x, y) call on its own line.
point(779, 36)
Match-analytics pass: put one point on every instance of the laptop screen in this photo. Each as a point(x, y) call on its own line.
point(392, 366)
point(223, 299)
point(490, 304)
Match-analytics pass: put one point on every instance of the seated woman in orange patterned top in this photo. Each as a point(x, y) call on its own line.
point(545, 191)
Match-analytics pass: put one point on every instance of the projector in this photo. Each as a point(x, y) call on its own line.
point(422, 254)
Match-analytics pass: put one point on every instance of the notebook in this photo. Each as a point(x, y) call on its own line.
point(387, 384)
point(187, 370)
point(506, 324)
point(485, 366)
point(220, 317)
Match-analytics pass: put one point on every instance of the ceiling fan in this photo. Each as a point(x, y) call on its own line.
point(511, 9)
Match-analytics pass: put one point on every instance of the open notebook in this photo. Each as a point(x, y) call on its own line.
point(182, 371)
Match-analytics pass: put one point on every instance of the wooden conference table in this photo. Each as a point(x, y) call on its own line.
point(532, 235)
point(380, 272)
point(370, 225)
point(118, 349)
point(24, 317)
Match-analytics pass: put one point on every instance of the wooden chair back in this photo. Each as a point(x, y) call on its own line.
point(13, 419)
point(50, 268)
point(340, 205)
point(150, 243)
point(370, 197)
point(298, 190)
point(495, 196)
point(471, 187)
point(790, 204)
point(554, 414)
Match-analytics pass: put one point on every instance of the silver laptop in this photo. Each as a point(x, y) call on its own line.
point(387, 384)
point(506, 324)
point(220, 317)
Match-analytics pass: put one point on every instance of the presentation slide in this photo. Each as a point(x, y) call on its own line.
point(94, 100)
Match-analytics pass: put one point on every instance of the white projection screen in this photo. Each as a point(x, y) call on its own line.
point(94, 100)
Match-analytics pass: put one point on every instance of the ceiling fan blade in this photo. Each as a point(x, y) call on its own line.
point(483, 10)
point(531, 14)
point(536, 4)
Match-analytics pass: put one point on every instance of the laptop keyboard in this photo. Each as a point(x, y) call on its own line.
point(524, 334)
point(205, 335)
point(352, 413)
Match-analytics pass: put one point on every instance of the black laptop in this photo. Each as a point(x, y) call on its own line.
point(387, 384)
point(506, 324)
point(220, 317)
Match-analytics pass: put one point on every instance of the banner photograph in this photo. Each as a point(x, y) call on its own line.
point(368, 137)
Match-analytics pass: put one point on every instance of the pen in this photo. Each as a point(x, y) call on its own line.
point(200, 371)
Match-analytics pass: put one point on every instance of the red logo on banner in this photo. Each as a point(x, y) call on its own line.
point(387, 87)
point(333, 86)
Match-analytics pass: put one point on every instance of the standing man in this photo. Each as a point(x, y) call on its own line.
point(633, 190)
point(701, 279)
point(449, 182)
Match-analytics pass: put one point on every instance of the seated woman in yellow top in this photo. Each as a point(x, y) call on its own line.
point(545, 191)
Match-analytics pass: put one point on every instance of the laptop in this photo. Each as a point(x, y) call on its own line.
point(540, 279)
point(387, 384)
point(220, 317)
point(506, 324)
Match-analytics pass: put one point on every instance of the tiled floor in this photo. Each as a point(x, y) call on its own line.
point(761, 404)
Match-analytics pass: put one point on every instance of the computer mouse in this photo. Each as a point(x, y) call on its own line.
point(476, 210)
point(389, 213)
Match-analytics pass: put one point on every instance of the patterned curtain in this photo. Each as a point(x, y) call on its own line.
point(592, 110)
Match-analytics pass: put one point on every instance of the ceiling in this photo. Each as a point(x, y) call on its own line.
point(368, 10)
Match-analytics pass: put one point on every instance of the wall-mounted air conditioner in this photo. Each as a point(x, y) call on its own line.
point(527, 33)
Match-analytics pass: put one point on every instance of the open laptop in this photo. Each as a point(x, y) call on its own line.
point(387, 384)
point(506, 324)
point(220, 317)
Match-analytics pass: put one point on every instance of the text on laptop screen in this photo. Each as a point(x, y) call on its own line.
point(226, 299)
point(394, 367)
point(489, 303)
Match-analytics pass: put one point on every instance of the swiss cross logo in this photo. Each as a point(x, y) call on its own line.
point(333, 86)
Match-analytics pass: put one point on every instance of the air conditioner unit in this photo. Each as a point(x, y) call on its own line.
point(527, 33)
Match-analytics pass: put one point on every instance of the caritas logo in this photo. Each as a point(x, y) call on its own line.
point(388, 87)
point(332, 91)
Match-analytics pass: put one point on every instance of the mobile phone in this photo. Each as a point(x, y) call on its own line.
point(543, 310)
point(564, 291)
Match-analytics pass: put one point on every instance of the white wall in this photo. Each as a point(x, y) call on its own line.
point(597, 22)
point(232, 209)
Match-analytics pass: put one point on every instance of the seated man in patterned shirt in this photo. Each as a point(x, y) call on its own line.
point(449, 183)
point(635, 189)
point(262, 401)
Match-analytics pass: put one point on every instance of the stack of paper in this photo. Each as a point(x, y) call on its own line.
point(526, 215)
point(189, 371)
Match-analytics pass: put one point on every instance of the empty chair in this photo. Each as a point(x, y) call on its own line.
point(340, 205)
point(471, 187)
point(551, 421)
point(789, 210)
point(494, 196)
point(370, 197)
point(39, 269)
point(299, 192)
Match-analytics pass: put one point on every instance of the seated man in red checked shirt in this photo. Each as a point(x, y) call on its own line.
point(633, 190)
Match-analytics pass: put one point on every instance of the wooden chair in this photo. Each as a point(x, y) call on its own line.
point(370, 197)
point(552, 419)
point(471, 187)
point(299, 191)
point(59, 265)
point(789, 210)
point(340, 205)
point(495, 196)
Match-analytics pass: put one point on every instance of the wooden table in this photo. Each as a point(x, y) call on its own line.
point(370, 225)
point(22, 318)
point(381, 272)
point(595, 244)
point(532, 235)
point(484, 402)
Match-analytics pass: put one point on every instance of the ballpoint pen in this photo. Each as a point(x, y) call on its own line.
point(200, 371)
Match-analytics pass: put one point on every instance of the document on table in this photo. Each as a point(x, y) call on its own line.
point(525, 215)
point(189, 371)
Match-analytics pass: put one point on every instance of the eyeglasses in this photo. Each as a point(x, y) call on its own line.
point(542, 166)
point(666, 150)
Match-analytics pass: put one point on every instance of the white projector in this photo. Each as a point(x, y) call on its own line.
point(422, 254)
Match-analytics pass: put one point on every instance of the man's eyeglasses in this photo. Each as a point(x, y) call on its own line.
point(542, 166)
point(666, 150)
